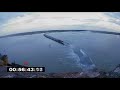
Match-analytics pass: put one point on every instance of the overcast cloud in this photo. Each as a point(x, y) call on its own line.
point(16, 22)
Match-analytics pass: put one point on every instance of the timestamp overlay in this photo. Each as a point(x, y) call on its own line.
point(25, 69)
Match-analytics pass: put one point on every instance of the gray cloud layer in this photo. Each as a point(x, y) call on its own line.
point(12, 22)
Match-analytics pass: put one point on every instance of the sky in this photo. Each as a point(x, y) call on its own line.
point(17, 22)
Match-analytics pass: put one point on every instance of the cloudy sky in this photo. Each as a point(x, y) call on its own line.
point(16, 22)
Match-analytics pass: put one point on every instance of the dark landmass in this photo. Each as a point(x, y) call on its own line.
point(37, 32)
point(51, 31)
point(54, 39)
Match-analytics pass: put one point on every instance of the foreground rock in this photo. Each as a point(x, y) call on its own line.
point(95, 74)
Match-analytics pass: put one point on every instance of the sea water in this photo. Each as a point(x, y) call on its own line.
point(37, 50)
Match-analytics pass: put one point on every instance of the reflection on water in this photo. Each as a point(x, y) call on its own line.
point(103, 49)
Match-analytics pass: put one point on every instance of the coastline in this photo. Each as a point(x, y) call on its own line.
point(51, 31)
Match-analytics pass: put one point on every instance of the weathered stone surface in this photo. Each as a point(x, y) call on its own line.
point(90, 74)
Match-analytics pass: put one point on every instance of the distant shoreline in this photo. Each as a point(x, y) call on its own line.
point(51, 31)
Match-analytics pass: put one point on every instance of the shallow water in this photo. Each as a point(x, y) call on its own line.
point(38, 50)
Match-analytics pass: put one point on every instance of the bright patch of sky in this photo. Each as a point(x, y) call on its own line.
point(17, 22)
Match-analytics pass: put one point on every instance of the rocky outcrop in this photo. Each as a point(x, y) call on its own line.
point(96, 74)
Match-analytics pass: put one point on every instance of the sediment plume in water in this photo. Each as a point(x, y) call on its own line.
point(81, 58)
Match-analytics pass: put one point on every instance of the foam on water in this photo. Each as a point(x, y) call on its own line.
point(81, 59)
